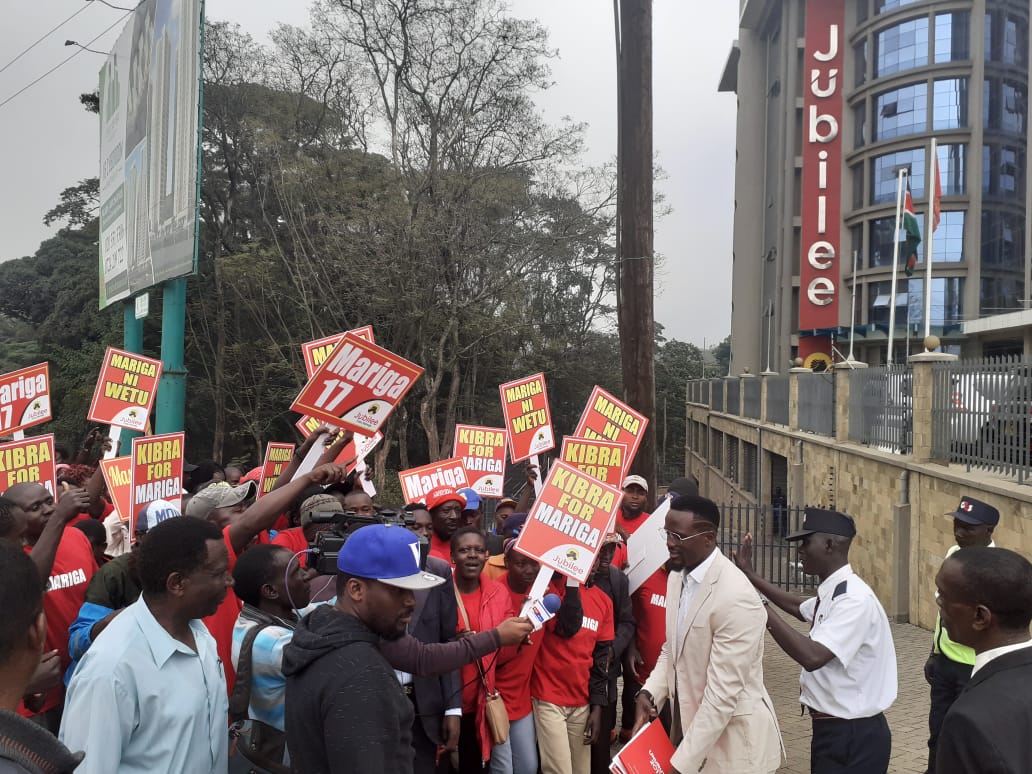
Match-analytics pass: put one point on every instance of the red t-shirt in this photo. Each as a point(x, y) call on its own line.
point(649, 603)
point(631, 525)
point(564, 665)
point(74, 567)
point(512, 677)
point(440, 548)
point(293, 539)
point(220, 624)
point(470, 674)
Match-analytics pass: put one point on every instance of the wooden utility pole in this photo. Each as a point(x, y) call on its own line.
point(634, 222)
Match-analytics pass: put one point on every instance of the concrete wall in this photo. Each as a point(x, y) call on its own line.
point(898, 501)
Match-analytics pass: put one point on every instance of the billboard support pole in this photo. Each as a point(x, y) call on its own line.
point(171, 399)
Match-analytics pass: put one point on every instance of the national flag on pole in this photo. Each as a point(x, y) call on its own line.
point(911, 233)
point(937, 198)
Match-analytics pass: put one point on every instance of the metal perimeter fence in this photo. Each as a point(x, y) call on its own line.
point(982, 414)
point(773, 557)
point(881, 407)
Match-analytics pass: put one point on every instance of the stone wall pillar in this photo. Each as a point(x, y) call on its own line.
point(793, 396)
point(842, 372)
point(921, 401)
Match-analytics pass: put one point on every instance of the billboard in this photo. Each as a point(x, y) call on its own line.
point(821, 215)
point(148, 149)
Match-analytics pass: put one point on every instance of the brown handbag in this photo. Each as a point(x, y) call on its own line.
point(495, 713)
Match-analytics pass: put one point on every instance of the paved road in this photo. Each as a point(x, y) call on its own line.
point(908, 717)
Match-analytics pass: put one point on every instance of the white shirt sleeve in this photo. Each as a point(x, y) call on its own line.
point(843, 629)
point(806, 608)
point(101, 734)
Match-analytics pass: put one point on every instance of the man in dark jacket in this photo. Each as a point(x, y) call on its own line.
point(985, 602)
point(615, 584)
point(25, 746)
point(345, 709)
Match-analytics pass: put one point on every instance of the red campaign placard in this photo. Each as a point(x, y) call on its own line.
point(307, 425)
point(607, 418)
point(603, 460)
point(277, 455)
point(482, 450)
point(24, 398)
point(125, 390)
point(316, 352)
point(648, 751)
point(30, 460)
point(417, 483)
point(358, 386)
point(528, 420)
point(564, 529)
point(118, 476)
point(157, 468)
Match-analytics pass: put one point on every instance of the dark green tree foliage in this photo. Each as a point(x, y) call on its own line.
point(387, 167)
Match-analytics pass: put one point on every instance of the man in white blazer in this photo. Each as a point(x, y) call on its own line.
point(711, 667)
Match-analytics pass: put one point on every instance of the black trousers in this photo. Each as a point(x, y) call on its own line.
point(860, 746)
point(947, 679)
point(630, 688)
point(602, 749)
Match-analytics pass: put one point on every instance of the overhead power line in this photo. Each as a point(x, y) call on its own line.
point(44, 37)
point(64, 61)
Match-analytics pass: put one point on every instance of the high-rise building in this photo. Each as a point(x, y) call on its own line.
point(835, 97)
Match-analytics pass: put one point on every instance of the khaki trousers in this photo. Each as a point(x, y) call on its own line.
point(560, 736)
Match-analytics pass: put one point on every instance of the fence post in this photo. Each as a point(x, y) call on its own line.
point(921, 401)
point(763, 394)
point(793, 395)
point(842, 372)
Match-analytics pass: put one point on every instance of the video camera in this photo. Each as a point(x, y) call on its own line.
point(322, 553)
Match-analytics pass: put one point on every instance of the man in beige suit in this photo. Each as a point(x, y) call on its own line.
point(711, 666)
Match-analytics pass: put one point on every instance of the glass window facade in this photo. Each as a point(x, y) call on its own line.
point(1005, 106)
point(952, 169)
point(882, 230)
point(1003, 240)
point(881, 6)
point(998, 294)
point(860, 59)
point(1004, 171)
point(952, 36)
point(952, 172)
point(884, 175)
point(902, 47)
point(860, 125)
point(947, 307)
point(1006, 38)
point(948, 239)
point(901, 111)
point(950, 104)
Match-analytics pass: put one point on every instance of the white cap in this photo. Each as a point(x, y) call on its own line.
point(635, 480)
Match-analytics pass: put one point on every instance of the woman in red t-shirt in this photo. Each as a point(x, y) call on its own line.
point(483, 604)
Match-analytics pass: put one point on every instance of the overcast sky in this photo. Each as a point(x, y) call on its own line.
point(48, 142)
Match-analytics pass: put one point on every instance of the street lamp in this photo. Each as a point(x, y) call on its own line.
point(84, 48)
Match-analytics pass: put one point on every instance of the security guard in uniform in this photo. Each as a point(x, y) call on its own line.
point(848, 659)
point(948, 668)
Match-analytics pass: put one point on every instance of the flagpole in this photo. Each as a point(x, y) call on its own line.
point(895, 261)
point(933, 190)
point(852, 308)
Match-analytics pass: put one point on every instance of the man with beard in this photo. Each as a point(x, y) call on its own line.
point(150, 695)
point(445, 505)
point(711, 666)
point(345, 709)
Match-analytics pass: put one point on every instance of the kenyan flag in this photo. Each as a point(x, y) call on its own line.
point(913, 234)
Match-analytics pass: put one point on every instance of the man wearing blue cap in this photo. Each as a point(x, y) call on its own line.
point(948, 668)
point(345, 710)
point(848, 658)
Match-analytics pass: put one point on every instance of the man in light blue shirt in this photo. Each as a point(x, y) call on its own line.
point(150, 695)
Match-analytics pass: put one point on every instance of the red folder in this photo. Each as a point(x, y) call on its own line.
point(648, 752)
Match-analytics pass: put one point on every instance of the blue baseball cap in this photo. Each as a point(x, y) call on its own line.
point(388, 554)
point(472, 499)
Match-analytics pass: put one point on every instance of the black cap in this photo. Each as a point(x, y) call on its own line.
point(826, 522)
point(972, 511)
point(683, 486)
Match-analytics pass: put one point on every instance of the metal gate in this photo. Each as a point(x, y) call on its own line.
point(774, 558)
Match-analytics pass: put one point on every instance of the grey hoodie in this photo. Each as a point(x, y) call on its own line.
point(28, 748)
point(345, 710)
